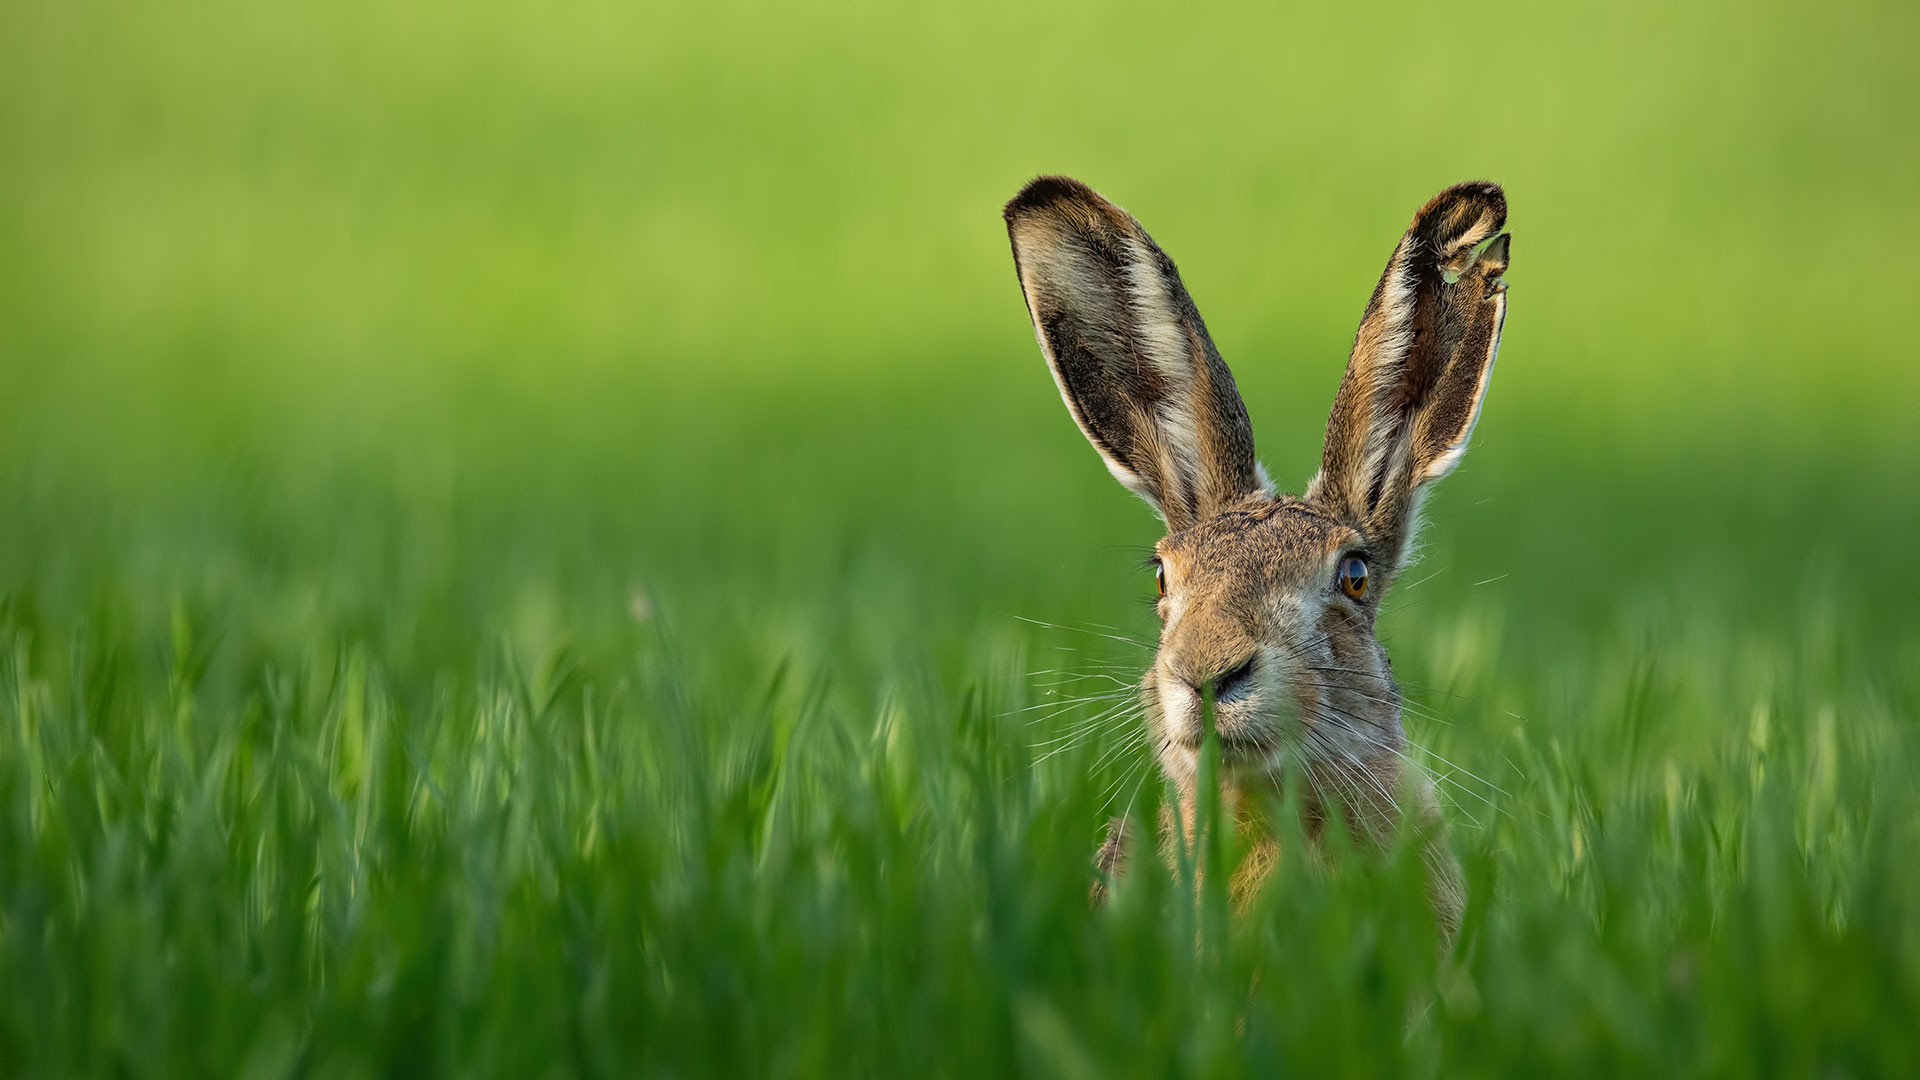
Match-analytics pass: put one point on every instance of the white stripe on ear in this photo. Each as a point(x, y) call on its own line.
point(1157, 324)
point(1128, 478)
point(1450, 457)
point(1383, 341)
point(1164, 340)
point(1390, 348)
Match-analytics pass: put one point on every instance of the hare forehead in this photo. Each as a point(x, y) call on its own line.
point(1276, 546)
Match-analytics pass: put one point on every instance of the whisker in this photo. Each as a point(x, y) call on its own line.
point(1395, 609)
point(1088, 677)
point(1081, 734)
point(1072, 726)
point(1082, 630)
point(1402, 704)
point(1325, 743)
point(1113, 753)
point(1145, 771)
point(1459, 768)
point(1071, 701)
point(1099, 708)
point(1073, 671)
point(1422, 581)
point(1352, 725)
point(1424, 688)
point(1104, 626)
point(1082, 727)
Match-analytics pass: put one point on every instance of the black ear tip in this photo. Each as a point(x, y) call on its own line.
point(1496, 198)
point(1483, 193)
point(1044, 191)
point(1461, 214)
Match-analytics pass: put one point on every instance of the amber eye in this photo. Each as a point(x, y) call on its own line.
point(1159, 579)
point(1353, 576)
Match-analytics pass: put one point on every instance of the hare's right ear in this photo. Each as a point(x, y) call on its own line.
point(1132, 358)
point(1420, 366)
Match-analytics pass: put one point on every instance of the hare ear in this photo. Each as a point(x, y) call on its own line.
point(1132, 358)
point(1420, 366)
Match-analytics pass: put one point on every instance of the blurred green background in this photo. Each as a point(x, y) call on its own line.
point(441, 370)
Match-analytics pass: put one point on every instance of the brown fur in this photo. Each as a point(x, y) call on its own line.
point(1253, 608)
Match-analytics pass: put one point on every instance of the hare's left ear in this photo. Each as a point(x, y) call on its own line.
point(1420, 366)
point(1129, 352)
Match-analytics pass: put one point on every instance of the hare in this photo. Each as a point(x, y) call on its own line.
point(1268, 599)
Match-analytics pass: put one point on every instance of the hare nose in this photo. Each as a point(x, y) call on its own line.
point(1228, 684)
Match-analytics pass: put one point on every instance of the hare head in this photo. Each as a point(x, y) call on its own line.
point(1268, 600)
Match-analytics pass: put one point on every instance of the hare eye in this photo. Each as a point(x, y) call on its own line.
point(1159, 579)
point(1353, 576)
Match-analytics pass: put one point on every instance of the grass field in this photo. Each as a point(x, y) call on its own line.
point(517, 527)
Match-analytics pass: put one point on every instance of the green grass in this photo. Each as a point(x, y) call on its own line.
point(515, 526)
